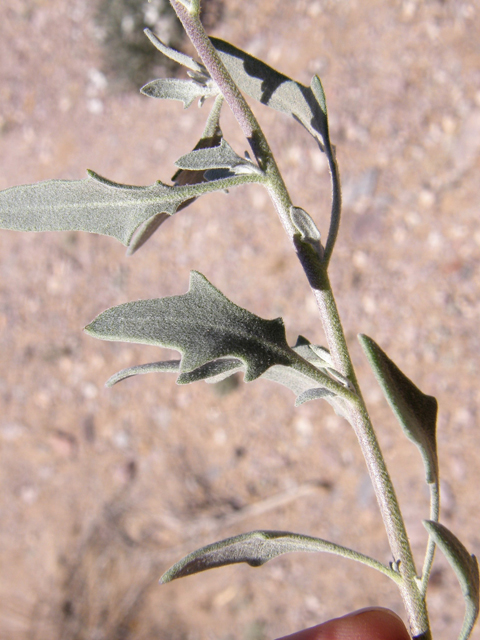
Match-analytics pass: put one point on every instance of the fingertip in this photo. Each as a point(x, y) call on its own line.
point(366, 624)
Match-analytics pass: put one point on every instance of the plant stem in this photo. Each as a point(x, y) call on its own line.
point(316, 271)
point(431, 546)
point(387, 500)
point(239, 107)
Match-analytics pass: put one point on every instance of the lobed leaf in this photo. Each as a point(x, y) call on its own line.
point(415, 411)
point(93, 205)
point(465, 566)
point(304, 387)
point(211, 372)
point(96, 205)
point(272, 88)
point(203, 325)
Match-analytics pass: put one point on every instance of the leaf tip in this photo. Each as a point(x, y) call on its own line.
point(165, 579)
point(88, 329)
point(147, 89)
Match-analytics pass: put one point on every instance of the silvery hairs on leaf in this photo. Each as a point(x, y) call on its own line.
point(180, 178)
point(203, 325)
point(465, 566)
point(415, 411)
point(220, 156)
point(270, 87)
point(304, 387)
point(200, 86)
point(98, 205)
point(94, 205)
point(186, 91)
point(258, 547)
point(173, 54)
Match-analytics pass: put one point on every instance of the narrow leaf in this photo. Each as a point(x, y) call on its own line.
point(203, 325)
point(261, 82)
point(257, 548)
point(187, 91)
point(152, 367)
point(415, 411)
point(466, 570)
point(173, 54)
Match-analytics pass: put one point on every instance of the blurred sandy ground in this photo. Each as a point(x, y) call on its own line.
point(103, 489)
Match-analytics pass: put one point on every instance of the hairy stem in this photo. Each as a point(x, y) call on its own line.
point(384, 490)
point(240, 109)
point(316, 270)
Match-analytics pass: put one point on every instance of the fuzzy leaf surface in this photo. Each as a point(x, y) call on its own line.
point(213, 371)
point(272, 88)
point(465, 566)
point(304, 387)
point(203, 325)
point(415, 411)
point(257, 548)
point(187, 91)
point(170, 366)
point(221, 156)
point(173, 54)
point(97, 205)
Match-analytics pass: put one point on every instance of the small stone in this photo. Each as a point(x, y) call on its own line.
point(426, 199)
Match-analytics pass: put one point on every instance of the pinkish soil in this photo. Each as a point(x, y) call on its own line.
point(103, 489)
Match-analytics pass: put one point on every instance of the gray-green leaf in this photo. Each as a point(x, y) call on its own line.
point(97, 205)
point(152, 367)
point(203, 325)
point(256, 548)
point(305, 225)
point(173, 54)
point(304, 387)
point(221, 156)
point(187, 91)
point(213, 371)
point(466, 570)
point(261, 82)
point(415, 411)
point(93, 205)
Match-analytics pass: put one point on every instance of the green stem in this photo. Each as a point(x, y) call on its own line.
point(316, 271)
point(431, 546)
point(399, 543)
point(240, 109)
point(351, 554)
